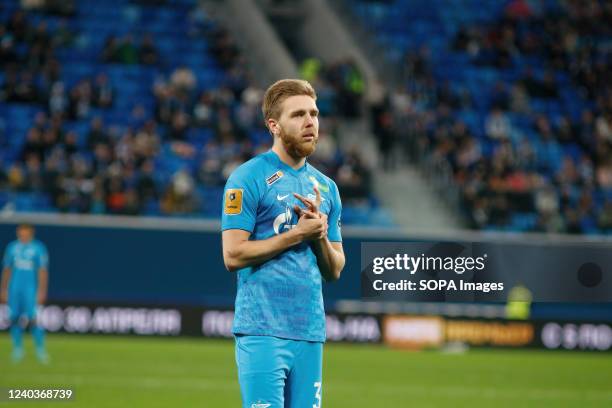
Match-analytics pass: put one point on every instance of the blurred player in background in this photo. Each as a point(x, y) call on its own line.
point(281, 232)
point(24, 286)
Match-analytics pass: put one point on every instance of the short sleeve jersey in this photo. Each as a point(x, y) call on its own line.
point(281, 297)
point(25, 260)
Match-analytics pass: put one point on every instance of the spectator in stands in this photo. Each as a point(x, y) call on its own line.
point(178, 127)
point(103, 93)
point(500, 97)
point(148, 52)
point(33, 174)
point(18, 26)
point(545, 88)
point(146, 143)
point(604, 221)
point(564, 131)
point(63, 36)
point(603, 127)
point(203, 110)
point(519, 99)
point(109, 53)
point(604, 174)
point(183, 80)
point(8, 54)
point(179, 198)
point(98, 201)
point(70, 144)
point(126, 51)
point(381, 118)
point(113, 169)
point(39, 37)
point(16, 178)
point(25, 90)
point(132, 203)
point(223, 47)
point(247, 116)
point(146, 186)
point(518, 9)
point(115, 197)
point(7, 91)
point(80, 100)
point(57, 7)
point(33, 145)
point(352, 86)
point(58, 100)
point(353, 177)
point(209, 173)
point(497, 125)
point(97, 134)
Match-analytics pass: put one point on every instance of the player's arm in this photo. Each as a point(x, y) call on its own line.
point(6, 273)
point(239, 252)
point(6, 276)
point(43, 282)
point(43, 275)
point(330, 258)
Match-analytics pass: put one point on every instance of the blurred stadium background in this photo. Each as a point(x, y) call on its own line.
point(446, 120)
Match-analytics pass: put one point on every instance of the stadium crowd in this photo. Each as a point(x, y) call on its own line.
point(119, 168)
point(544, 159)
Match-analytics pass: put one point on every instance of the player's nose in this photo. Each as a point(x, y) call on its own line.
point(309, 121)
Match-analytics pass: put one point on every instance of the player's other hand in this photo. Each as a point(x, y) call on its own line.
point(41, 298)
point(311, 227)
point(312, 206)
point(3, 296)
point(309, 214)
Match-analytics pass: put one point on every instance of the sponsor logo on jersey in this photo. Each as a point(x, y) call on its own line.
point(323, 187)
point(260, 405)
point(233, 201)
point(314, 197)
point(274, 178)
point(283, 221)
point(24, 263)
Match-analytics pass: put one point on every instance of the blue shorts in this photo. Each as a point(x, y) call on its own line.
point(21, 303)
point(279, 373)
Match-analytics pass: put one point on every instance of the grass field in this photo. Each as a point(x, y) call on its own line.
point(146, 372)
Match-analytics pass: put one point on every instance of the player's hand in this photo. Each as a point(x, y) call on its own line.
point(3, 296)
point(311, 227)
point(312, 206)
point(41, 298)
point(312, 209)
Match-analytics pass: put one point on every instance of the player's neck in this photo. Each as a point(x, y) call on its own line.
point(293, 162)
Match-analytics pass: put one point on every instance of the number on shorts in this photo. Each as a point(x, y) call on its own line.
point(317, 385)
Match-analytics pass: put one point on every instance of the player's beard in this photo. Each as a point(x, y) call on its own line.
point(297, 147)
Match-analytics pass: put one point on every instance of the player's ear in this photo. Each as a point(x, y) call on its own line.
point(274, 127)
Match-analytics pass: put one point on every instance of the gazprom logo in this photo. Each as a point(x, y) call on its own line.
point(283, 221)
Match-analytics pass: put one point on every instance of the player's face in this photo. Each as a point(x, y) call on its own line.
point(25, 234)
point(299, 125)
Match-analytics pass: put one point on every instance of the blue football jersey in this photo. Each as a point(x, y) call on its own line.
point(25, 260)
point(281, 297)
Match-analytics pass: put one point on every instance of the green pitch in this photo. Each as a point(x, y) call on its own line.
point(146, 372)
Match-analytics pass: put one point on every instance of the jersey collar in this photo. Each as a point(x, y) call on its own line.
point(277, 161)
